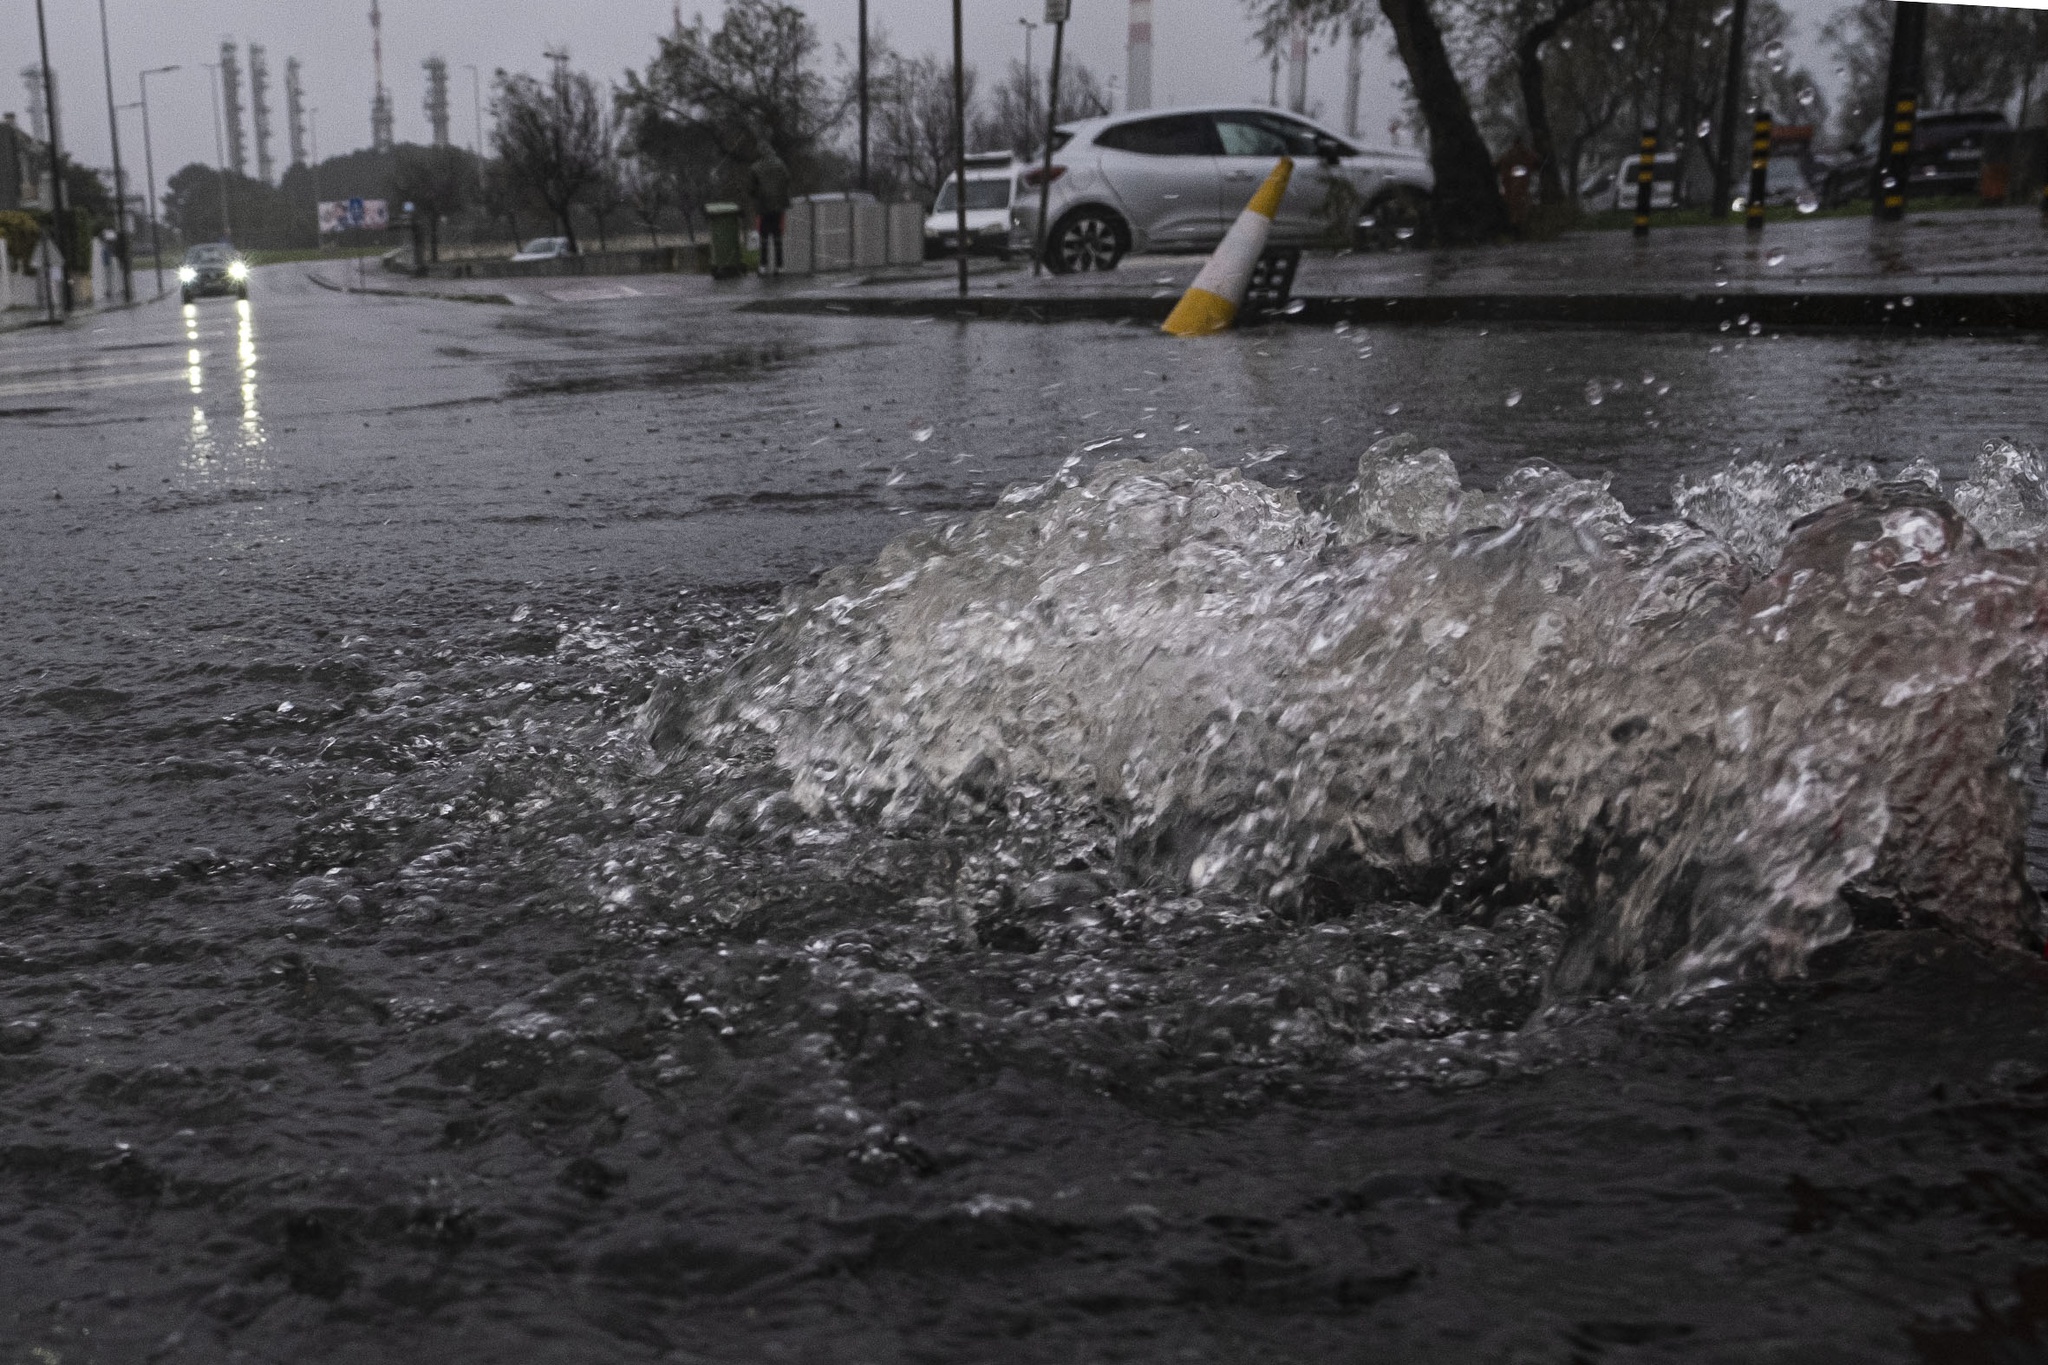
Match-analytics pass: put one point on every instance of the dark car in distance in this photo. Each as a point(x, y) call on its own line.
point(213, 268)
point(1947, 159)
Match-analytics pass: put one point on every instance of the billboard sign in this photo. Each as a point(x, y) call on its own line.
point(340, 215)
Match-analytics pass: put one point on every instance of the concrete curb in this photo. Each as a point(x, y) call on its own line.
point(1944, 311)
point(503, 299)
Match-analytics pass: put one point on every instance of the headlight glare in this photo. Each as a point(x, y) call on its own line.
point(238, 270)
point(186, 274)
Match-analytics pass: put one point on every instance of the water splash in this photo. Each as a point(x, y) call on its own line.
point(1705, 746)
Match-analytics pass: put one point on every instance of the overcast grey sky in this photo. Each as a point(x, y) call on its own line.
point(1203, 52)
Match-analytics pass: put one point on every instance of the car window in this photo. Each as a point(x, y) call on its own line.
point(537, 245)
point(1252, 133)
point(981, 194)
point(208, 255)
point(1173, 135)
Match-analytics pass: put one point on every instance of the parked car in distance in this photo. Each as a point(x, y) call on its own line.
point(991, 185)
point(545, 249)
point(213, 268)
point(1948, 150)
point(1175, 180)
point(1617, 188)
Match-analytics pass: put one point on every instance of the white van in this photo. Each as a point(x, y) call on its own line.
point(991, 185)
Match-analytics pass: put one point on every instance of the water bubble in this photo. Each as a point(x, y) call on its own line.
point(1619, 43)
point(1807, 95)
point(1776, 257)
point(1514, 398)
point(1596, 393)
point(1807, 202)
point(1706, 127)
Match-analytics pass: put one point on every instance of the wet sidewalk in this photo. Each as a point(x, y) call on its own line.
point(1952, 270)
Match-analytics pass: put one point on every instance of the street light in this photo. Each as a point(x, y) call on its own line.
point(156, 245)
point(864, 94)
point(120, 188)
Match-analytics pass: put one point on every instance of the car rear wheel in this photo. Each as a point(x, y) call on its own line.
point(1087, 239)
point(1398, 218)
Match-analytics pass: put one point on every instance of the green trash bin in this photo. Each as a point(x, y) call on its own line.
point(728, 254)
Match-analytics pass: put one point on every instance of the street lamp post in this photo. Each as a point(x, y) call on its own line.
point(959, 141)
point(864, 94)
point(156, 244)
point(120, 188)
point(220, 156)
point(61, 220)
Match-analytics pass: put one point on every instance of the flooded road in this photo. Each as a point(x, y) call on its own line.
point(368, 990)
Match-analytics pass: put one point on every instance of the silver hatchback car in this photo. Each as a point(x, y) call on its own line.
point(1176, 180)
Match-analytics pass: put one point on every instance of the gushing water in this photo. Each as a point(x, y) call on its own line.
point(1706, 746)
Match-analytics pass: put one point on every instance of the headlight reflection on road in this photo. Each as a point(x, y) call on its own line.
point(245, 357)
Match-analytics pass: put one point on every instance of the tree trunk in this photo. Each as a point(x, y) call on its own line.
point(1529, 73)
point(1469, 207)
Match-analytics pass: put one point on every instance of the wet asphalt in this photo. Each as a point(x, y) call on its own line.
point(305, 1056)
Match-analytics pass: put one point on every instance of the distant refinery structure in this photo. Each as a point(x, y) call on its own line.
point(38, 110)
point(259, 110)
point(231, 107)
point(380, 102)
point(295, 110)
point(436, 104)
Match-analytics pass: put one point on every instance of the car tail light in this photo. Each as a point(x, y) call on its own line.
point(1042, 175)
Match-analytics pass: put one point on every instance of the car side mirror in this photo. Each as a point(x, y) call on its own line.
point(1328, 152)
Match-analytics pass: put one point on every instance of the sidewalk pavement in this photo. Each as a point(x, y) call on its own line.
point(1944, 270)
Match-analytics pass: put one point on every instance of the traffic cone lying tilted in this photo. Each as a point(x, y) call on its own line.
point(1212, 301)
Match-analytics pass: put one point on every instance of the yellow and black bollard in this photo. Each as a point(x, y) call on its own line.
point(1646, 178)
point(1759, 170)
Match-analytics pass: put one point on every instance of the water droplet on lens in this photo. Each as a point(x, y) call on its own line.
point(1723, 15)
point(1619, 43)
point(1776, 257)
point(1807, 95)
point(1807, 202)
point(1514, 398)
point(1392, 409)
point(1295, 306)
point(1706, 127)
point(1774, 51)
point(1756, 329)
point(1404, 233)
point(1596, 393)
point(921, 434)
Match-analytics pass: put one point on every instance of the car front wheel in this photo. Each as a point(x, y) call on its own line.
point(1398, 218)
point(1087, 239)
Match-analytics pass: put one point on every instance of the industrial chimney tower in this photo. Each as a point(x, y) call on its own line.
point(259, 109)
point(380, 103)
point(231, 107)
point(437, 98)
point(295, 110)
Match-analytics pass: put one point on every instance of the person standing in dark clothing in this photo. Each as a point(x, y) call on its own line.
point(768, 181)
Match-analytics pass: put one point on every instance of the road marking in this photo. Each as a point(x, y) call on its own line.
point(84, 384)
point(594, 293)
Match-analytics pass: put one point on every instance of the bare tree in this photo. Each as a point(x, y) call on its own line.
point(550, 136)
point(911, 108)
point(436, 181)
point(752, 80)
point(1975, 57)
point(1015, 115)
point(648, 188)
point(605, 195)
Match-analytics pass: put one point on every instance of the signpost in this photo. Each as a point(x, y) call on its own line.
point(345, 215)
point(1056, 12)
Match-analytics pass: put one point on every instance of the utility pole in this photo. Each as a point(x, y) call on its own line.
point(1055, 14)
point(1731, 105)
point(156, 243)
point(120, 186)
point(959, 141)
point(295, 110)
point(863, 93)
point(62, 218)
point(380, 102)
point(1901, 113)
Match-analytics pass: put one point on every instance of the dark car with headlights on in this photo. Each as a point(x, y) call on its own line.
point(214, 268)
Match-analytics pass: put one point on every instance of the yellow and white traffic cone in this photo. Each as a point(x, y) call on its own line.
point(1212, 301)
